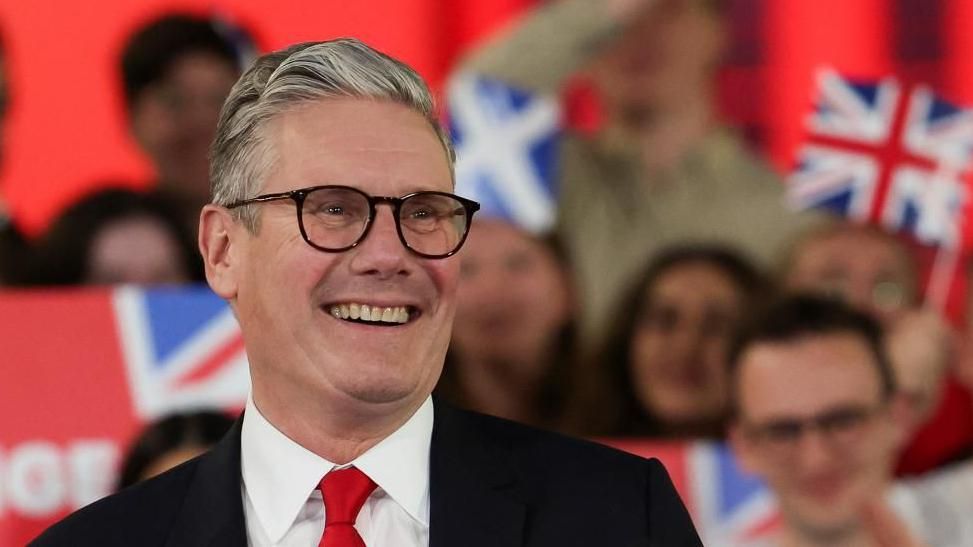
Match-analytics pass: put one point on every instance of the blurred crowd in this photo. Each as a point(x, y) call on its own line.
point(678, 297)
point(175, 73)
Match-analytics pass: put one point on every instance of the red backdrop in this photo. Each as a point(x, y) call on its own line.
point(67, 133)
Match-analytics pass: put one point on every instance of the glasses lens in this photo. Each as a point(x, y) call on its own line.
point(844, 424)
point(840, 427)
point(433, 224)
point(780, 433)
point(334, 218)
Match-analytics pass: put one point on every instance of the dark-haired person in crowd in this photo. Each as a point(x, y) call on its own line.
point(512, 343)
point(334, 235)
point(176, 71)
point(660, 170)
point(118, 236)
point(662, 372)
point(875, 271)
point(816, 414)
point(170, 441)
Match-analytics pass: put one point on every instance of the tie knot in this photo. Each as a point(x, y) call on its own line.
point(344, 492)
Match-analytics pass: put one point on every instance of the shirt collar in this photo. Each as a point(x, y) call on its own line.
point(279, 475)
point(399, 463)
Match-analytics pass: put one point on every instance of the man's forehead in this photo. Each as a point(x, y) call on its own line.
point(344, 140)
point(807, 376)
point(352, 111)
point(864, 241)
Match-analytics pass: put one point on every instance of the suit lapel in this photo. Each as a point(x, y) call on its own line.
point(474, 491)
point(473, 487)
point(212, 514)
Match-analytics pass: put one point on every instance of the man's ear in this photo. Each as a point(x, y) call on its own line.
point(219, 244)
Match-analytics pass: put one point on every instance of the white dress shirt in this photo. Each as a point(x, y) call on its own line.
point(283, 507)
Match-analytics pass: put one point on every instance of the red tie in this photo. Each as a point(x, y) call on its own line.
point(345, 492)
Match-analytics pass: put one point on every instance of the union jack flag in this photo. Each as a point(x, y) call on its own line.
point(886, 153)
point(730, 507)
point(182, 350)
point(506, 144)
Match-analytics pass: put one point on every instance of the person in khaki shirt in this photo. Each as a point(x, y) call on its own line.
point(661, 170)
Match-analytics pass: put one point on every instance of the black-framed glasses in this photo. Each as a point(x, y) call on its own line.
point(336, 218)
point(840, 426)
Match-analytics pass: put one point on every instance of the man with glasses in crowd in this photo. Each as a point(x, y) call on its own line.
point(816, 416)
point(332, 233)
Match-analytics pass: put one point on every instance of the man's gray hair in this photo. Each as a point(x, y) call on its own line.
point(285, 79)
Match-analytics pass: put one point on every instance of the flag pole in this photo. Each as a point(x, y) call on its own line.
point(941, 277)
point(947, 255)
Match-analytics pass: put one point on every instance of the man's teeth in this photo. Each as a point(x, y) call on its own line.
point(364, 312)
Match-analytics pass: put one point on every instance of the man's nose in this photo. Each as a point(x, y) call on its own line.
point(814, 449)
point(381, 253)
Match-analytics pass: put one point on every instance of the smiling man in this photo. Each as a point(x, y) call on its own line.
point(332, 234)
point(817, 418)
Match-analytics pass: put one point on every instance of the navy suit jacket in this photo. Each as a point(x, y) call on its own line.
point(492, 483)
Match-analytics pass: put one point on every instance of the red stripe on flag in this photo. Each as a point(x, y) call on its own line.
point(766, 528)
point(213, 364)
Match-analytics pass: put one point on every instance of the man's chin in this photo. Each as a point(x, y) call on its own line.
point(380, 396)
point(385, 393)
point(826, 525)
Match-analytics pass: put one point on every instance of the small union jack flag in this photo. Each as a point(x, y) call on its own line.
point(888, 154)
point(506, 143)
point(730, 507)
point(182, 350)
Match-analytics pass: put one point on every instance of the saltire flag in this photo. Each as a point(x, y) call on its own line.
point(506, 149)
point(894, 155)
point(83, 371)
point(729, 507)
